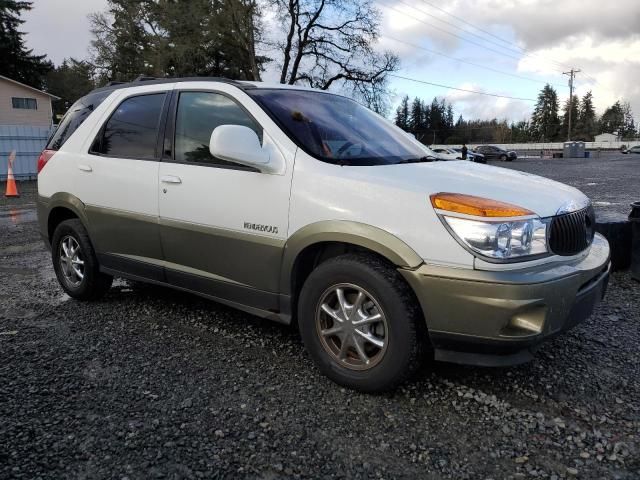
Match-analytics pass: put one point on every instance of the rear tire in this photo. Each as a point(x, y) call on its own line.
point(370, 341)
point(75, 262)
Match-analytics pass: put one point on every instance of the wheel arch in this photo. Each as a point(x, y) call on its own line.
point(322, 240)
point(61, 207)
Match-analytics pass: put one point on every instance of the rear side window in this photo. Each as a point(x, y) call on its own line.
point(198, 114)
point(132, 129)
point(77, 113)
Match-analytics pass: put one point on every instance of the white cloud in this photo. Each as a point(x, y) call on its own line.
point(610, 67)
point(410, 21)
point(473, 106)
point(601, 39)
point(60, 28)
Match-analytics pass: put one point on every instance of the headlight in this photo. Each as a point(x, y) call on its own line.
point(503, 239)
point(493, 234)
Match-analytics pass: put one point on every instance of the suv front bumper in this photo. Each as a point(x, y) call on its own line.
point(496, 318)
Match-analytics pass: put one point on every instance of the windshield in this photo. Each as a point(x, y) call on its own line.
point(338, 130)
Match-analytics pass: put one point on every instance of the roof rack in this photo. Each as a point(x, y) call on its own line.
point(147, 80)
point(144, 78)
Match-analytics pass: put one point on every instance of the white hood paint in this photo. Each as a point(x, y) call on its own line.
point(543, 196)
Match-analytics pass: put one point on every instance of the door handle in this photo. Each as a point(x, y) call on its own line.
point(170, 179)
point(85, 168)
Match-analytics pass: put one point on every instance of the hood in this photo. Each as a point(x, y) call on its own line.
point(543, 196)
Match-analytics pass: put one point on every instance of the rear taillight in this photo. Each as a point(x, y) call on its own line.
point(44, 157)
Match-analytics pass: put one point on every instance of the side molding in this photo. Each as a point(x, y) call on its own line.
point(344, 231)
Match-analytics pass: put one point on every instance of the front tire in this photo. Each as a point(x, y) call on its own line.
point(503, 158)
point(75, 262)
point(361, 323)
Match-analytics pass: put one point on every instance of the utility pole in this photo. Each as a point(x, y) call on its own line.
point(572, 74)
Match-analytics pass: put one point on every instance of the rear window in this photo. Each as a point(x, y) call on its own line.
point(132, 129)
point(74, 117)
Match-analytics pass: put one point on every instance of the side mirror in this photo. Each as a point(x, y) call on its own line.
point(239, 144)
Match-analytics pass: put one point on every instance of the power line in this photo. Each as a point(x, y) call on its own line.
point(523, 50)
point(458, 27)
point(447, 31)
point(452, 33)
point(449, 87)
point(471, 63)
point(465, 22)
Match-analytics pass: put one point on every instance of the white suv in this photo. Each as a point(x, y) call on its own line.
point(302, 206)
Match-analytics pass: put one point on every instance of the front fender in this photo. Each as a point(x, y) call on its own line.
point(354, 233)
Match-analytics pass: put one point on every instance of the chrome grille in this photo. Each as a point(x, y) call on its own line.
point(571, 233)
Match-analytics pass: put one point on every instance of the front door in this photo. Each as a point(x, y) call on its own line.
point(222, 225)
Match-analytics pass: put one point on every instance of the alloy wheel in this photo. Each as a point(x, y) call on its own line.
point(352, 326)
point(71, 261)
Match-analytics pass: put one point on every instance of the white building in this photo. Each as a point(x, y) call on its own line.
point(607, 137)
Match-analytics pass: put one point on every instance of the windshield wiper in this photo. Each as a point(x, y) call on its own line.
point(424, 159)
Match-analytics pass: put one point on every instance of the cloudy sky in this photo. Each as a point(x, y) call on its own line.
point(503, 47)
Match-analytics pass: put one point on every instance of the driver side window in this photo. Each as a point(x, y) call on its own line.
point(197, 115)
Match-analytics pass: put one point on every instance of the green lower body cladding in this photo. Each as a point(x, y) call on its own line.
point(473, 316)
point(498, 318)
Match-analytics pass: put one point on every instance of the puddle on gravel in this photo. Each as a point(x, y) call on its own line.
point(17, 216)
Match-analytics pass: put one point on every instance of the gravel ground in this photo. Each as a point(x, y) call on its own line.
point(611, 180)
point(150, 383)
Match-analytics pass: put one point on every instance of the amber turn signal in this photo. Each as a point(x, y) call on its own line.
point(476, 206)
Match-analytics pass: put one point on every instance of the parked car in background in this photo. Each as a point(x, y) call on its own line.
point(635, 149)
point(473, 156)
point(446, 154)
point(491, 152)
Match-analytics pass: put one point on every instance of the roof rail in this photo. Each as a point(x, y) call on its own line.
point(144, 78)
point(154, 81)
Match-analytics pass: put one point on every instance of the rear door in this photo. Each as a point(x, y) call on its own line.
point(223, 225)
point(118, 179)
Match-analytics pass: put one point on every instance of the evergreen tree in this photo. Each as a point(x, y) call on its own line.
point(564, 130)
point(416, 116)
point(520, 132)
point(586, 126)
point(545, 121)
point(628, 130)
point(613, 119)
point(70, 81)
point(16, 61)
point(402, 114)
point(177, 38)
point(425, 126)
point(448, 122)
point(436, 122)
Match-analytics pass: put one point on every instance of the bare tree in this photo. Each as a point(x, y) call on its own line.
point(331, 42)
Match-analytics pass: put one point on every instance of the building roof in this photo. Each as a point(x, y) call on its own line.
point(53, 97)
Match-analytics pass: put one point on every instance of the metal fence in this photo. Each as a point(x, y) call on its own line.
point(555, 146)
point(28, 142)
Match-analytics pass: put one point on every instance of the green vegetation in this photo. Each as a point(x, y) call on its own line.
point(434, 123)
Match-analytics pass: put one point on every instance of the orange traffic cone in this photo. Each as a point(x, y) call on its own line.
point(12, 188)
